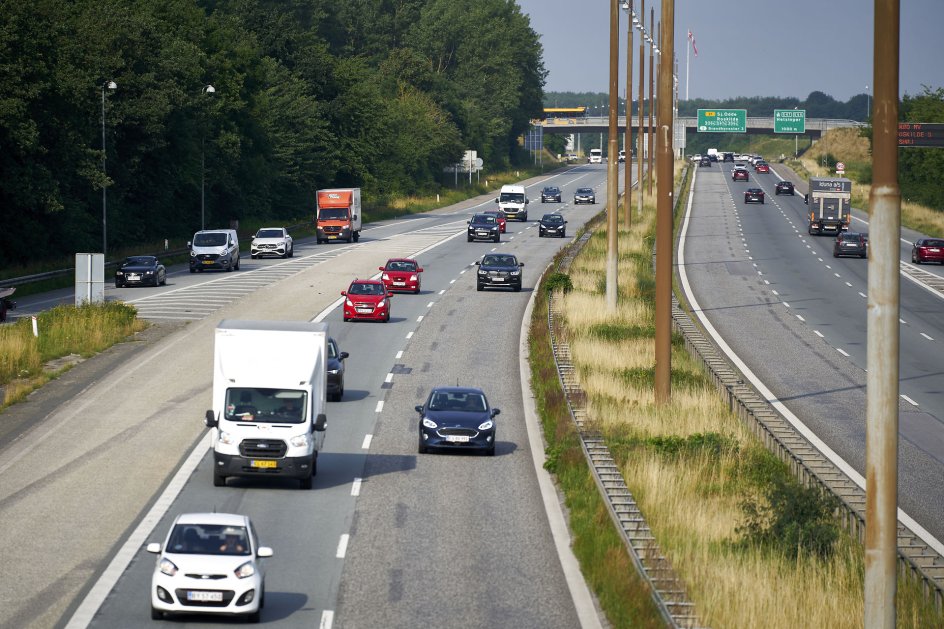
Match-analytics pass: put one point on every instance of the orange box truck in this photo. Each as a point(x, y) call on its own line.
point(338, 215)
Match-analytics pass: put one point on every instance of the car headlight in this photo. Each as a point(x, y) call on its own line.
point(334, 372)
point(281, 243)
point(119, 273)
point(167, 567)
point(193, 254)
point(149, 272)
point(483, 272)
point(515, 273)
point(385, 277)
point(301, 441)
point(486, 425)
point(348, 302)
point(245, 570)
point(226, 438)
point(382, 303)
point(428, 423)
point(414, 278)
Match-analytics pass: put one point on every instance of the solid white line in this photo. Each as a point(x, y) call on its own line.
point(399, 355)
point(342, 546)
point(380, 406)
point(409, 335)
point(389, 378)
point(356, 487)
point(367, 440)
point(842, 351)
point(819, 334)
point(327, 619)
point(926, 336)
point(804, 430)
point(909, 400)
point(132, 546)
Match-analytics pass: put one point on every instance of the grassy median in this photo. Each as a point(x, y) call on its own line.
point(753, 546)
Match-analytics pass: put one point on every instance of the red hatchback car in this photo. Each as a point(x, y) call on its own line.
point(401, 274)
point(928, 250)
point(367, 299)
point(500, 216)
point(762, 167)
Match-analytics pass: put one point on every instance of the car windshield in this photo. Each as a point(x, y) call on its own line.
point(551, 190)
point(484, 219)
point(282, 406)
point(208, 539)
point(209, 240)
point(553, 218)
point(365, 288)
point(333, 214)
point(401, 265)
point(467, 401)
point(140, 261)
point(584, 191)
point(511, 197)
point(499, 260)
point(269, 233)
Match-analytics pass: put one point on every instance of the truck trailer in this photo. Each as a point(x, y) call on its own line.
point(268, 416)
point(338, 215)
point(830, 201)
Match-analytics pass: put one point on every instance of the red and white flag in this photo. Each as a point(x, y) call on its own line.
point(691, 38)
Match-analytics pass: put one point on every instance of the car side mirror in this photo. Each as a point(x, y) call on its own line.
point(153, 547)
point(496, 411)
point(527, 201)
point(565, 222)
point(264, 551)
point(189, 244)
point(343, 355)
point(354, 217)
point(521, 264)
point(419, 270)
point(210, 419)
point(477, 263)
point(321, 423)
point(496, 200)
point(343, 293)
point(470, 222)
point(389, 294)
point(380, 268)
point(419, 408)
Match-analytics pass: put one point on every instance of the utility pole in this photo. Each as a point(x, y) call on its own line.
point(664, 231)
point(628, 141)
point(651, 151)
point(883, 335)
point(612, 172)
point(642, 91)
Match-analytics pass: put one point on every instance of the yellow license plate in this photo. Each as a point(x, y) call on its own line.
point(208, 261)
point(263, 464)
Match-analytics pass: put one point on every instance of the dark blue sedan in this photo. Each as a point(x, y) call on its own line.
point(457, 418)
point(140, 271)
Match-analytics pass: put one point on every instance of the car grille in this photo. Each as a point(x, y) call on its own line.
point(267, 246)
point(364, 304)
point(214, 577)
point(181, 594)
point(331, 229)
point(262, 448)
point(207, 256)
point(467, 432)
point(498, 273)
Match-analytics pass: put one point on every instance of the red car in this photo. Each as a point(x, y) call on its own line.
point(401, 274)
point(367, 299)
point(928, 250)
point(500, 216)
point(740, 173)
point(762, 167)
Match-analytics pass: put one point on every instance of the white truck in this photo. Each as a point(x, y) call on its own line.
point(595, 157)
point(268, 416)
point(513, 201)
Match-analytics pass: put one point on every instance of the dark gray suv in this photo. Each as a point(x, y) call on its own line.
point(499, 270)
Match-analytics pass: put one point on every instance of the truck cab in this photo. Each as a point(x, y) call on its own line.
point(596, 156)
point(338, 215)
point(269, 388)
point(513, 201)
point(830, 203)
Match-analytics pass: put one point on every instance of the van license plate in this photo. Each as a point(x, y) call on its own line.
point(208, 261)
point(263, 464)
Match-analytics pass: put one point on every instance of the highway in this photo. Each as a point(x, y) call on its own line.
point(386, 537)
point(796, 316)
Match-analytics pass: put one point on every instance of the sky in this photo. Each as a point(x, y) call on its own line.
point(745, 48)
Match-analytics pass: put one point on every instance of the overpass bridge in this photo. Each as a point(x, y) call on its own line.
point(815, 127)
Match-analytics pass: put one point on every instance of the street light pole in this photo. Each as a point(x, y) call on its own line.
point(111, 85)
point(207, 89)
point(612, 172)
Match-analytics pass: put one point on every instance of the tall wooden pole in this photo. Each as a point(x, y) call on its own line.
point(612, 172)
point(642, 92)
point(651, 136)
point(664, 231)
point(628, 140)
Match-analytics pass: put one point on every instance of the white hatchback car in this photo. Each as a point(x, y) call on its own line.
point(272, 241)
point(209, 564)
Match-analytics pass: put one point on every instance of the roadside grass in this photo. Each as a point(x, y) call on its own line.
point(696, 471)
point(63, 330)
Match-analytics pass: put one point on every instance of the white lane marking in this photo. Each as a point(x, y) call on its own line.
point(819, 334)
point(786, 304)
point(419, 318)
point(804, 430)
point(842, 351)
point(800, 317)
point(837, 275)
point(848, 284)
point(409, 335)
point(442, 292)
point(452, 281)
point(463, 271)
point(327, 619)
point(829, 267)
point(342, 546)
point(367, 440)
point(389, 378)
point(493, 249)
point(863, 295)
point(820, 259)
point(902, 321)
point(380, 406)
point(909, 400)
point(767, 282)
point(399, 355)
point(775, 293)
point(429, 305)
point(96, 596)
point(926, 336)
point(356, 487)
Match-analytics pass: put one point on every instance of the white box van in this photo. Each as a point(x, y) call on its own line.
point(269, 384)
point(513, 201)
point(214, 249)
point(596, 156)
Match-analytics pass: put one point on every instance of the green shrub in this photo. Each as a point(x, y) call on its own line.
point(558, 281)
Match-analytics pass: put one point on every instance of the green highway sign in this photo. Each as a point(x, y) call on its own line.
point(722, 120)
point(789, 121)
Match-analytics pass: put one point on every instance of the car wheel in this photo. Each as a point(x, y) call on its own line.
point(564, 234)
point(479, 286)
point(117, 284)
point(497, 238)
point(491, 450)
point(219, 480)
point(236, 268)
point(518, 288)
point(193, 270)
point(164, 280)
point(420, 448)
point(255, 616)
point(469, 239)
point(157, 614)
point(835, 254)
point(314, 466)
point(305, 483)
point(387, 318)
point(861, 255)
point(345, 319)
point(357, 236)
point(540, 234)
point(253, 256)
point(157, 281)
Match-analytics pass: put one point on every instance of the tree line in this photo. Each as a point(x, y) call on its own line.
point(306, 94)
